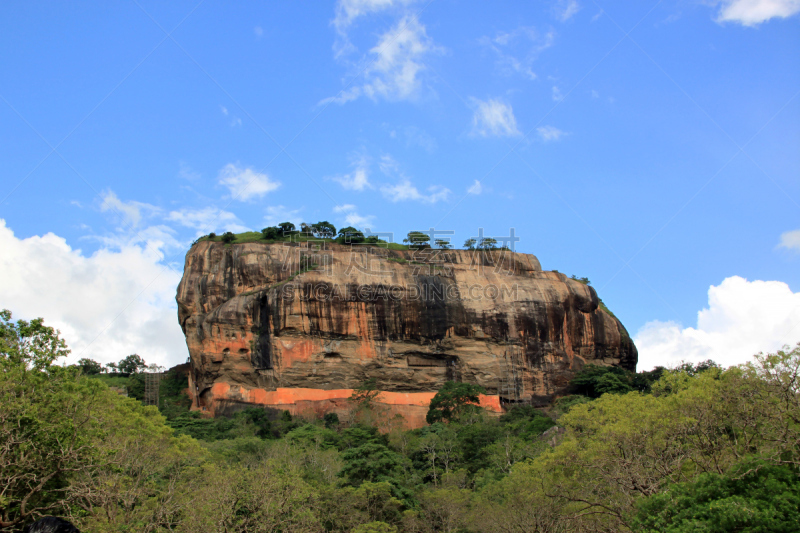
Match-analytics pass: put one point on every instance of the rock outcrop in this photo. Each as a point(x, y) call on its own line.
point(297, 326)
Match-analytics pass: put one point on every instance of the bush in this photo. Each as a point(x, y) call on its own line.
point(228, 237)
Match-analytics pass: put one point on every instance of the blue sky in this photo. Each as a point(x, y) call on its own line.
point(650, 146)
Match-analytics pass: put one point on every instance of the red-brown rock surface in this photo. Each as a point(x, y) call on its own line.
point(298, 326)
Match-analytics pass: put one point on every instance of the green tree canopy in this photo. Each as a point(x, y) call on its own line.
point(324, 230)
point(417, 239)
point(228, 237)
point(453, 400)
point(350, 235)
point(287, 228)
point(469, 244)
point(271, 233)
point(89, 366)
point(132, 364)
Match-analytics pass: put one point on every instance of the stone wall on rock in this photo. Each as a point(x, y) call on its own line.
point(297, 326)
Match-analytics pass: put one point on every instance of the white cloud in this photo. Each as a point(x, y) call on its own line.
point(405, 190)
point(129, 213)
point(347, 11)
point(352, 218)
point(358, 179)
point(566, 9)
point(342, 98)
point(790, 240)
point(754, 12)
point(743, 318)
point(476, 188)
point(278, 213)
point(557, 96)
point(595, 95)
point(398, 60)
point(258, 31)
point(493, 117)
point(517, 50)
point(395, 63)
point(207, 219)
point(224, 110)
point(122, 298)
point(245, 183)
point(550, 133)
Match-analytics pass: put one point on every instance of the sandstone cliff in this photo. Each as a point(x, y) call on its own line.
point(297, 326)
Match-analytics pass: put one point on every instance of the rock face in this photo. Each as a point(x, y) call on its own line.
point(297, 326)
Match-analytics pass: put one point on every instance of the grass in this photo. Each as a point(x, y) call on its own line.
point(257, 236)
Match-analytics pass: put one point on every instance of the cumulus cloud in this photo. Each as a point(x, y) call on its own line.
point(352, 218)
point(754, 12)
point(517, 50)
point(207, 219)
point(476, 188)
point(550, 133)
point(790, 240)
point(398, 60)
point(566, 9)
point(358, 179)
point(742, 318)
point(129, 213)
point(557, 94)
point(405, 190)
point(348, 11)
point(493, 118)
point(246, 183)
point(110, 304)
point(395, 63)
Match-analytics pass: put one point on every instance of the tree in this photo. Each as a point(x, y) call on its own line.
point(89, 366)
point(305, 228)
point(228, 237)
point(350, 235)
point(417, 239)
point(112, 367)
point(469, 244)
point(324, 230)
point(488, 243)
point(443, 244)
point(271, 233)
point(594, 381)
point(583, 280)
point(44, 420)
point(366, 393)
point(753, 497)
point(453, 400)
point(132, 364)
point(287, 228)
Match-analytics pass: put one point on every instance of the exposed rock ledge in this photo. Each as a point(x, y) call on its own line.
point(263, 329)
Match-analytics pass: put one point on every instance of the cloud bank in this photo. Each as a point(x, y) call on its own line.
point(754, 12)
point(742, 318)
point(115, 302)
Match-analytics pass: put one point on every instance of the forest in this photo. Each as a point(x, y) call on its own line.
point(694, 448)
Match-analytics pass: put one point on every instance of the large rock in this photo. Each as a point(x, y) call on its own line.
point(297, 326)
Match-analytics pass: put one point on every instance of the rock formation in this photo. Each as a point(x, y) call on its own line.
point(297, 326)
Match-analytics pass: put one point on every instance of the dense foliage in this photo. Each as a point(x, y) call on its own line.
point(698, 448)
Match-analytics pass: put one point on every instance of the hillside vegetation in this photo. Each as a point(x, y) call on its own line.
point(697, 448)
